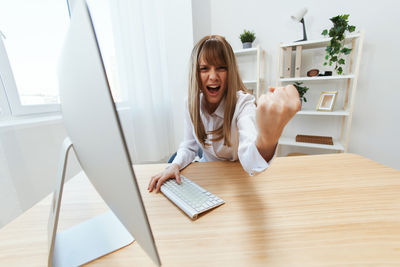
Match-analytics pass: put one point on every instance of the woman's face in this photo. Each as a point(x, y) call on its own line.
point(213, 83)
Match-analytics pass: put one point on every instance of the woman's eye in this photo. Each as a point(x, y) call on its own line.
point(203, 69)
point(222, 68)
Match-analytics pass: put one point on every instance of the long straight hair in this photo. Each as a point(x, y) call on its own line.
point(215, 50)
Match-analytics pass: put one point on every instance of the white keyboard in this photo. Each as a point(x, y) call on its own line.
point(190, 197)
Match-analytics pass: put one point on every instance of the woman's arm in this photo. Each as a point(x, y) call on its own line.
point(274, 111)
point(187, 151)
point(188, 148)
point(249, 156)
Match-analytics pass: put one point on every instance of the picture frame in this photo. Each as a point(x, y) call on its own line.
point(327, 101)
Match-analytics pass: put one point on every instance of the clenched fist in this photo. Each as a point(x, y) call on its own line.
point(274, 111)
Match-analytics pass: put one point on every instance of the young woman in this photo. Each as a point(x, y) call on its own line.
point(222, 119)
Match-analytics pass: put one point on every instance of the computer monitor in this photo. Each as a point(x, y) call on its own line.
point(93, 127)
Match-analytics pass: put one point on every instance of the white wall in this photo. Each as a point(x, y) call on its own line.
point(376, 121)
point(201, 17)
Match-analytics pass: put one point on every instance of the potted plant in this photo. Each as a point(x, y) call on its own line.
point(247, 38)
point(302, 89)
point(336, 49)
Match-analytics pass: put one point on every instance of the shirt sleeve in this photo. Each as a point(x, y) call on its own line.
point(249, 156)
point(188, 148)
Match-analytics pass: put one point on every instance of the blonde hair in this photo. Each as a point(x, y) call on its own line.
point(215, 50)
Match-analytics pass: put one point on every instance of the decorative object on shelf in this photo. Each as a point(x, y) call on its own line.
point(327, 101)
point(302, 90)
point(312, 73)
point(315, 139)
point(247, 38)
point(327, 73)
point(299, 17)
point(336, 49)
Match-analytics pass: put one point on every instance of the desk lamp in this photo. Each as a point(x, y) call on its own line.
point(299, 17)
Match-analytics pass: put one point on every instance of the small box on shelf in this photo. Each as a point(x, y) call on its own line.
point(315, 139)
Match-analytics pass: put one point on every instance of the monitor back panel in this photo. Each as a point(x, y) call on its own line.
point(93, 126)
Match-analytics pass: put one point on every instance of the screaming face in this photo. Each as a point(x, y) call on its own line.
point(213, 83)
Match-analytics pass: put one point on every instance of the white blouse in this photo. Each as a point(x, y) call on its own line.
point(243, 136)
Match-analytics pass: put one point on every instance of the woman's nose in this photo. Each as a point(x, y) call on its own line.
point(213, 74)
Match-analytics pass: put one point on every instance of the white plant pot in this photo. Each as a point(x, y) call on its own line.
point(247, 45)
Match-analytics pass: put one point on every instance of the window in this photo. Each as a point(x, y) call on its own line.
point(34, 32)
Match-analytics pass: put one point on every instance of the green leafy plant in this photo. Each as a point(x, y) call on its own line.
point(302, 89)
point(336, 49)
point(247, 37)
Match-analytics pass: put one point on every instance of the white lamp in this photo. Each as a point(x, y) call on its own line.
point(299, 17)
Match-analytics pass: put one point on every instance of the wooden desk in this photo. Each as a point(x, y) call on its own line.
point(338, 209)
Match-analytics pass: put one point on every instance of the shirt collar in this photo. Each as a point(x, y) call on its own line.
point(218, 112)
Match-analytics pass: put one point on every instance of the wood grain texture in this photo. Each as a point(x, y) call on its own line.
point(339, 209)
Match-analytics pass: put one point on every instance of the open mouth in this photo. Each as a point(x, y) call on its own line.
point(213, 90)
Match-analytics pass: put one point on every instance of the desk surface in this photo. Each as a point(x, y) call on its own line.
point(310, 210)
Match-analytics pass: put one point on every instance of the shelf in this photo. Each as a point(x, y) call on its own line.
point(246, 51)
point(250, 81)
point(317, 78)
point(318, 43)
point(324, 113)
point(291, 142)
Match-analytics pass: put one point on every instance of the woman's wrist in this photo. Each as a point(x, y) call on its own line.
point(263, 142)
point(266, 147)
point(173, 165)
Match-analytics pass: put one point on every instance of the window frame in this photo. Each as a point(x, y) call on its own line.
point(9, 90)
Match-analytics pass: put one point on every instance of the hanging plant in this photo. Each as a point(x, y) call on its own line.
point(336, 49)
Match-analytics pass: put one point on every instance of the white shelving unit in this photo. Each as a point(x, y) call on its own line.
point(291, 71)
point(321, 113)
point(318, 78)
point(324, 42)
point(292, 142)
point(257, 55)
point(247, 51)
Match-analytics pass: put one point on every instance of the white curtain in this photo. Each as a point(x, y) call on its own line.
point(141, 52)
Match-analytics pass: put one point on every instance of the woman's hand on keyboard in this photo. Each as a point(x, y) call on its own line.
point(172, 171)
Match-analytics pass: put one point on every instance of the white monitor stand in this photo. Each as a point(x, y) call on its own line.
point(88, 240)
